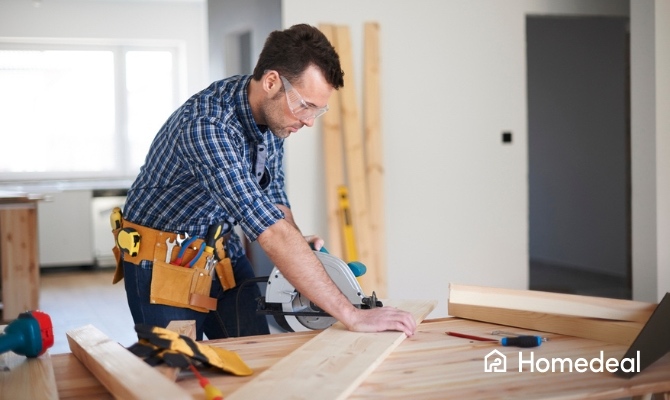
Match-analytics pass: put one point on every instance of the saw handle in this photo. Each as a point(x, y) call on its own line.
point(356, 267)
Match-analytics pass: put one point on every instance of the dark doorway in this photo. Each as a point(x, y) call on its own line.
point(579, 155)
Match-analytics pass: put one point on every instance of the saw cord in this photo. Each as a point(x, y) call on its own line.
point(237, 298)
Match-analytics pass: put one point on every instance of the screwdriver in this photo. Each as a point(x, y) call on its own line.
point(518, 341)
point(211, 392)
point(213, 234)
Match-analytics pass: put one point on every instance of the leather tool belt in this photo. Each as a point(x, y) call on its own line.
point(175, 285)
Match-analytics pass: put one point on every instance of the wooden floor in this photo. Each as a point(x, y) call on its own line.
point(76, 297)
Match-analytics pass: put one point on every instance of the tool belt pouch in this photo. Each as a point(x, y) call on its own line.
point(178, 286)
point(224, 270)
point(183, 287)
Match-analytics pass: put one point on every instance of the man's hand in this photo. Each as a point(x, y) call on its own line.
point(316, 242)
point(381, 319)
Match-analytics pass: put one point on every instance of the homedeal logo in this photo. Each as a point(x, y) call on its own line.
point(496, 361)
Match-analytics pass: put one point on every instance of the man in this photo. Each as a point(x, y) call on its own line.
point(218, 159)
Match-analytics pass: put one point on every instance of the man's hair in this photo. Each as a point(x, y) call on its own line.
point(291, 51)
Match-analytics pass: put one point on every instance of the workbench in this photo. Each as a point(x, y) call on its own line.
point(430, 364)
point(19, 264)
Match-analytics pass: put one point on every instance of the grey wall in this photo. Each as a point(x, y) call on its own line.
point(231, 18)
point(578, 143)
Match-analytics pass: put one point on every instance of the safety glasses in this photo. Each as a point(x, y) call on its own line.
point(297, 104)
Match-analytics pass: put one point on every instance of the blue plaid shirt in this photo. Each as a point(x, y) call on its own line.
point(211, 163)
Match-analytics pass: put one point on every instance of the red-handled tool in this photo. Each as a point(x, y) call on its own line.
point(211, 392)
point(184, 246)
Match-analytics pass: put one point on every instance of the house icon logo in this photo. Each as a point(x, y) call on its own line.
point(495, 361)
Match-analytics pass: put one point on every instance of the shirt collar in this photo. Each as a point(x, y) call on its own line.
point(251, 129)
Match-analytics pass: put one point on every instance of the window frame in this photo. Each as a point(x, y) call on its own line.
point(119, 48)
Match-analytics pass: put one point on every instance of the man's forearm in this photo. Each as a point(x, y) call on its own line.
point(289, 251)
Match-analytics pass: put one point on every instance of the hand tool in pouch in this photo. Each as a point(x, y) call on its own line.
point(128, 239)
point(184, 245)
point(213, 235)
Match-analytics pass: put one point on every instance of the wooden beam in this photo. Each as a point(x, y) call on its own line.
point(122, 373)
point(26, 378)
point(19, 260)
point(619, 332)
point(182, 327)
point(333, 157)
point(355, 161)
point(552, 303)
point(331, 365)
point(374, 153)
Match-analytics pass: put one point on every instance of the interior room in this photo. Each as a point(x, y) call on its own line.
point(525, 144)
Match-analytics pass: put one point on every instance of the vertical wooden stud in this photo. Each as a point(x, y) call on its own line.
point(355, 160)
point(333, 157)
point(374, 153)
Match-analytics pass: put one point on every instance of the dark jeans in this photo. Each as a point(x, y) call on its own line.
point(222, 323)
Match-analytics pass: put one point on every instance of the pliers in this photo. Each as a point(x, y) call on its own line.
point(184, 246)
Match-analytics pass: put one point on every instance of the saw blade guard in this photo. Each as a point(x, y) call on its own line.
point(280, 290)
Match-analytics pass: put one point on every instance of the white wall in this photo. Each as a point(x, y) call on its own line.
point(453, 78)
point(662, 52)
point(180, 22)
point(650, 147)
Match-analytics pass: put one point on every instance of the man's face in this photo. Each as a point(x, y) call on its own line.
point(311, 92)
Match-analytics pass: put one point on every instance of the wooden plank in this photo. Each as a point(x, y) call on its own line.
point(19, 259)
point(620, 332)
point(26, 378)
point(430, 365)
point(355, 161)
point(183, 327)
point(123, 374)
point(552, 303)
point(331, 365)
point(333, 156)
point(374, 153)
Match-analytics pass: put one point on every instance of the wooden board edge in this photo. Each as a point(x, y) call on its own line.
point(618, 332)
point(122, 373)
point(552, 303)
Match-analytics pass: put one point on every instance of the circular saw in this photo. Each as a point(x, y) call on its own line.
point(294, 312)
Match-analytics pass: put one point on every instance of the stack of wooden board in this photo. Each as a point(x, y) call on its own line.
point(354, 160)
point(608, 320)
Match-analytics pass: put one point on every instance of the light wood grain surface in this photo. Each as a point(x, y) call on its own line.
point(430, 365)
point(27, 378)
point(337, 361)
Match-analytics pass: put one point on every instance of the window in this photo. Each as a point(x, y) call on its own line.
point(82, 111)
